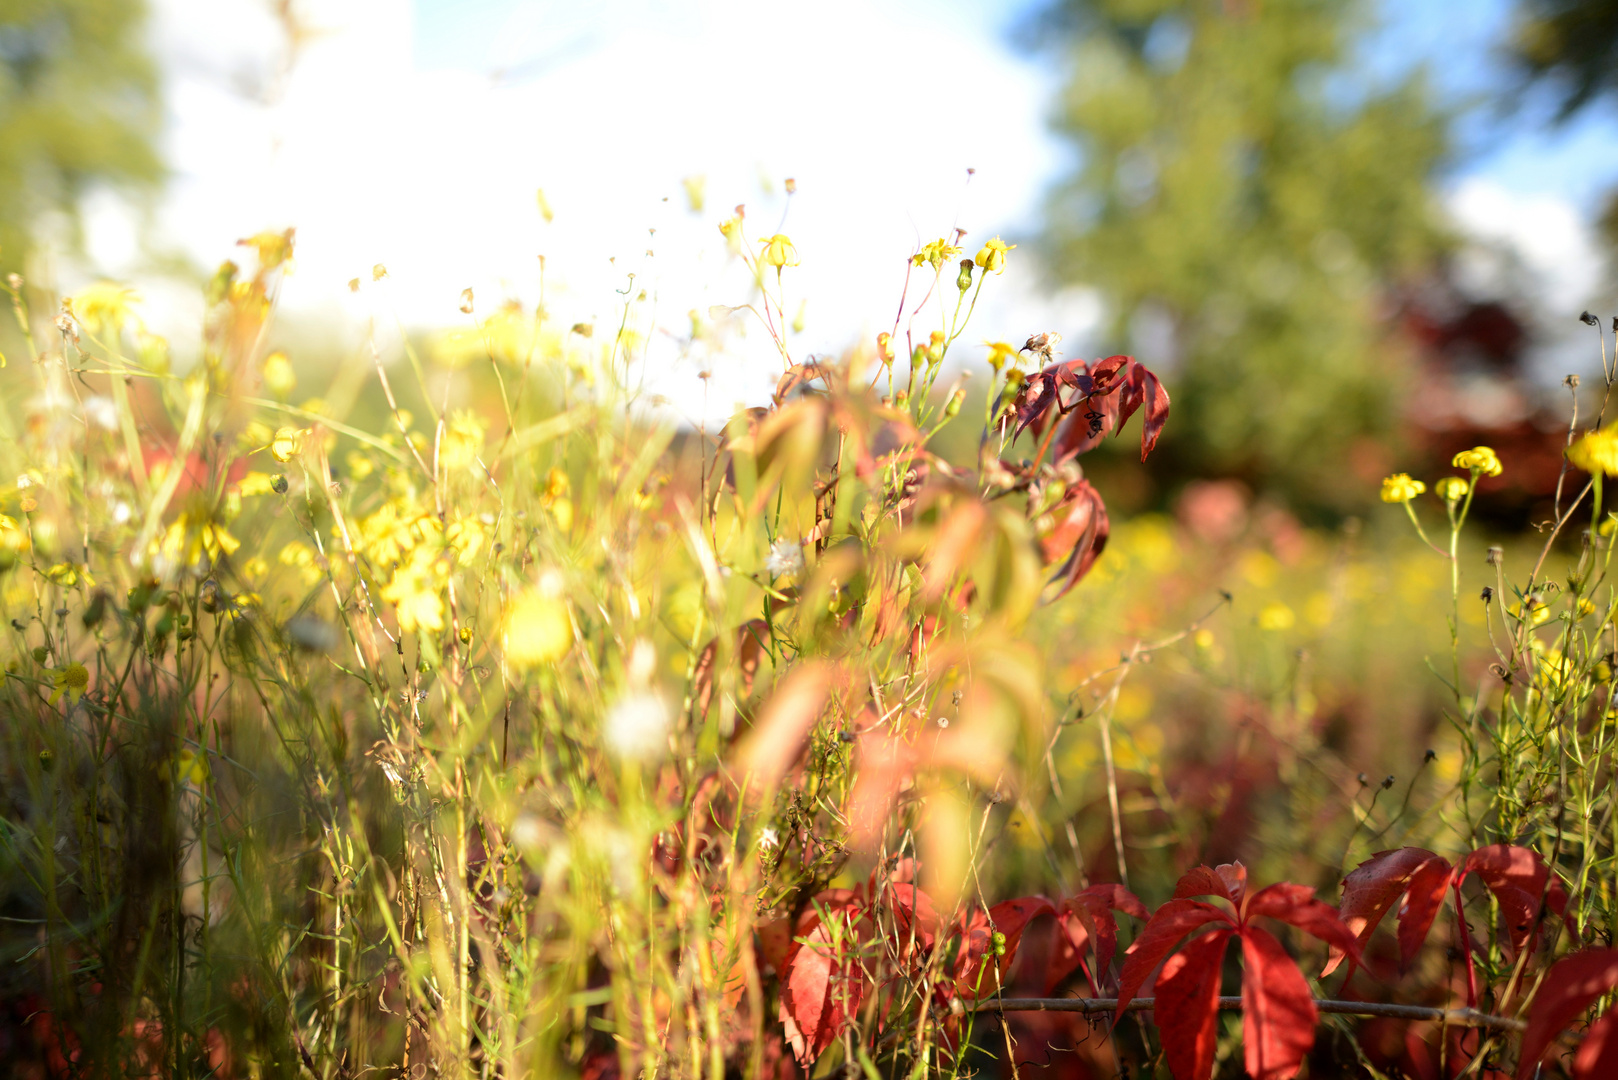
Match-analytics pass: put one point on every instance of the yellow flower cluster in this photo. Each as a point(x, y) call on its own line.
point(1452, 489)
point(936, 254)
point(1480, 459)
point(778, 252)
point(1400, 488)
point(1596, 451)
point(193, 536)
point(992, 256)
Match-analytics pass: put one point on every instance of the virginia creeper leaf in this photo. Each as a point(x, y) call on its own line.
point(1187, 1011)
point(1278, 1011)
point(1168, 924)
point(1568, 989)
point(1371, 889)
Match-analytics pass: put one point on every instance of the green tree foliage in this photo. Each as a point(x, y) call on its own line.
point(1571, 44)
point(78, 107)
point(1244, 186)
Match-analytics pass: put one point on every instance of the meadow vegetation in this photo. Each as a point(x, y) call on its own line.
point(473, 719)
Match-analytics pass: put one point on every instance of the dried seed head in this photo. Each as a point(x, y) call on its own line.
point(1494, 555)
point(1588, 319)
point(1572, 381)
point(1488, 593)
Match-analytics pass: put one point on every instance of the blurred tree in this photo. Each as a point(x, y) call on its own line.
point(78, 107)
point(1246, 196)
point(1571, 45)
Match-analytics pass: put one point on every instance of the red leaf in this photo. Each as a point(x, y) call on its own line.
point(1296, 905)
point(1100, 901)
point(913, 914)
point(1227, 881)
point(1371, 889)
point(1187, 1009)
point(1081, 532)
point(822, 985)
point(1569, 988)
point(1073, 937)
point(1148, 391)
point(1011, 918)
point(1278, 1011)
point(1518, 877)
point(1087, 921)
point(1422, 901)
point(1168, 924)
point(1597, 1058)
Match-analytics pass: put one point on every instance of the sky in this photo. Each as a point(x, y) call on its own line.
point(415, 134)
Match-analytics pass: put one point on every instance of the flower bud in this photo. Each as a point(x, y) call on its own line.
point(884, 347)
point(963, 280)
point(953, 408)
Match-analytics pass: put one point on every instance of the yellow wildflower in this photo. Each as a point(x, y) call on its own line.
point(1452, 489)
point(538, 630)
point(1399, 488)
point(1596, 452)
point(278, 374)
point(465, 536)
point(105, 302)
point(255, 483)
point(191, 767)
point(72, 681)
point(272, 248)
point(1001, 353)
point(463, 440)
point(936, 254)
point(285, 444)
point(192, 537)
point(414, 591)
point(992, 256)
point(1276, 616)
point(778, 252)
point(301, 557)
point(1480, 459)
point(359, 465)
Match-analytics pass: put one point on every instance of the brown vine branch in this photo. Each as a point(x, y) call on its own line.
point(1451, 1017)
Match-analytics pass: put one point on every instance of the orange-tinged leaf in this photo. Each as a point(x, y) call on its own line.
point(1278, 1011)
point(953, 547)
point(783, 725)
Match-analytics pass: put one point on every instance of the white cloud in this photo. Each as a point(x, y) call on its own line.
point(876, 111)
point(1546, 232)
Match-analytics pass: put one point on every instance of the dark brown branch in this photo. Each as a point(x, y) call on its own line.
point(1471, 1018)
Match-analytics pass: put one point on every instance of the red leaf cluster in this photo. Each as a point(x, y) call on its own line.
point(828, 969)
point(1278, 1017)
point(1517, 876)
point(1100, 398)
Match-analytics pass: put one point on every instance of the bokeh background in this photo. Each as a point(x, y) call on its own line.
point(1343, 231)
